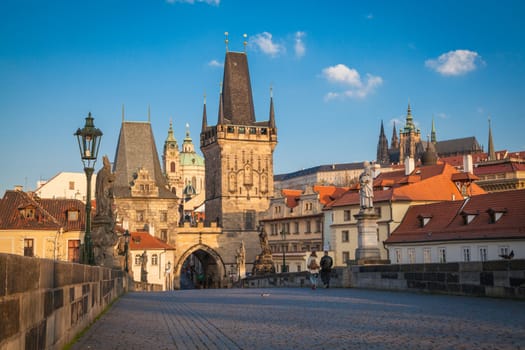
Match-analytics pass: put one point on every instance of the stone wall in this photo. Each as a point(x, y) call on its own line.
point(502, 278)
point(339, 278)
point(45, 303)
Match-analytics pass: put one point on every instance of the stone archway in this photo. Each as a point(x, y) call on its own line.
point(207, 268)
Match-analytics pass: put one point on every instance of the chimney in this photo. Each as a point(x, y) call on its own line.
point(467, 164)
point(409, 165)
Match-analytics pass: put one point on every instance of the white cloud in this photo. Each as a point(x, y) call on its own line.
point(354, 86)
point(265, 43)
point(209, 2)
point(299, 47)
point(370, 16)
point(455, 63)
point(215, 63)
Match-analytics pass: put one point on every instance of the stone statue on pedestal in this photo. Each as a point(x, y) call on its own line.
point(366, 191)
point(263, 262)
point(103, 227)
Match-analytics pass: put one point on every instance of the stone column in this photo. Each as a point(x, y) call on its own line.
point(367, 245)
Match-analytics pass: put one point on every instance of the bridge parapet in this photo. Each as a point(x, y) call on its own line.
point(45, 303)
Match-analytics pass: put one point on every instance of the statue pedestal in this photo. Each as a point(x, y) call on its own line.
point(104, 242)
point(367, 244)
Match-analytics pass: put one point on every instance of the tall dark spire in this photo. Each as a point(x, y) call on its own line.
point(204, 116)
point(492, 153)
point(433, 132)
point(237, 96)
point(382, 147)
point(394, 142)
point(271, 122)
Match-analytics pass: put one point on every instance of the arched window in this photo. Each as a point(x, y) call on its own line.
point(154, 259)
point(172, 167)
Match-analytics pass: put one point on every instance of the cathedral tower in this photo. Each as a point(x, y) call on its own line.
point(170, 156)
point(238, 152)
point(410, 140)
point(382, 147)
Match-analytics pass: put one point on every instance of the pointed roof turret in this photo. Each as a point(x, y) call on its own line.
point(491, 152)
point(433, 132)
point(382, 147)
point(409, 123)
point(187, 145)
point(237, 97)
point(204, 116)
point(394, 143)
point(271, 122)
point(171, 137)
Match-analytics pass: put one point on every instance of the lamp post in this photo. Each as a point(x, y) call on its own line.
point(126, 249)
point(88, 142)
point(283, 236)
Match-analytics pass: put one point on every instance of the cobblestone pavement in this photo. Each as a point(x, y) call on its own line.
point(306, 319)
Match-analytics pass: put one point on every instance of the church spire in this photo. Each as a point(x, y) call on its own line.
point(492, 153)
point(433, 132)
point(409, 123)
point(204, 116)
point(171, 137)
point(394, 143)
point(271, 122)
point(382, 147)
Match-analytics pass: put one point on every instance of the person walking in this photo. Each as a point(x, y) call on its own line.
point(326, 269)
point(313, 268)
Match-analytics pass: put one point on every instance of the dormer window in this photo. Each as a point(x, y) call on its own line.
point(424, 219)
point(27, 212)
point(468, 216)
point(495, 214)
point(72, 215)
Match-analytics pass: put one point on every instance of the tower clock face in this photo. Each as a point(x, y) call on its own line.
point(172, 145)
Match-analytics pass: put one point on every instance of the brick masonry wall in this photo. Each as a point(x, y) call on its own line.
point(45, 303)
point(502, 278)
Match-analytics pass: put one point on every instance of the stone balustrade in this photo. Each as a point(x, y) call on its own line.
point(45, 303)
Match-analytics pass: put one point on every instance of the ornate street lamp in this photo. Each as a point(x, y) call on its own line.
point(88, 141)
point(126, 249)
point(283, 236)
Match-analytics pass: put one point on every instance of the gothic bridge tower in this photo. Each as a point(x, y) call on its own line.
point(238, 153)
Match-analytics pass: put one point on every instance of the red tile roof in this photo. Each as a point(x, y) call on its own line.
point(433, 182)
point(49, 214)
point(291, 197)
point(448, 222)
point(145, 241)
point(329, 193)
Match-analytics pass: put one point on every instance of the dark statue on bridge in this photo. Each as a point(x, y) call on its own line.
point(263, 262)
point(103, 228)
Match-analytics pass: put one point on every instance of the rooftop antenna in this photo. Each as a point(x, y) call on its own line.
point(226, 40)
point(245, 41)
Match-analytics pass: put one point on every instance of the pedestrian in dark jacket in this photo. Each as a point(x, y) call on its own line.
point(326, 269)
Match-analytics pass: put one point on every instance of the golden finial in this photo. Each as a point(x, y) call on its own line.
point(245, 41)
point(226, 40)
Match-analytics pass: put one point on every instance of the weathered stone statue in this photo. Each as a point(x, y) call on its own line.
point(263, 262)
point(104, 237)
point(144, 267)
point(366, 192)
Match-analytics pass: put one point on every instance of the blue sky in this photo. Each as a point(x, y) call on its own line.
point(337, 69)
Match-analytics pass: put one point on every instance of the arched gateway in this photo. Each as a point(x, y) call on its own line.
point(199, 266)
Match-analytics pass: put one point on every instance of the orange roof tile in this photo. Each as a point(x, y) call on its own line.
point(145, 241)
point(49, 214)
point(447, 221)
point(433, 182)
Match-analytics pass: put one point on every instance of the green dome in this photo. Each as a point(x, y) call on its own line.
point(190, 159)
